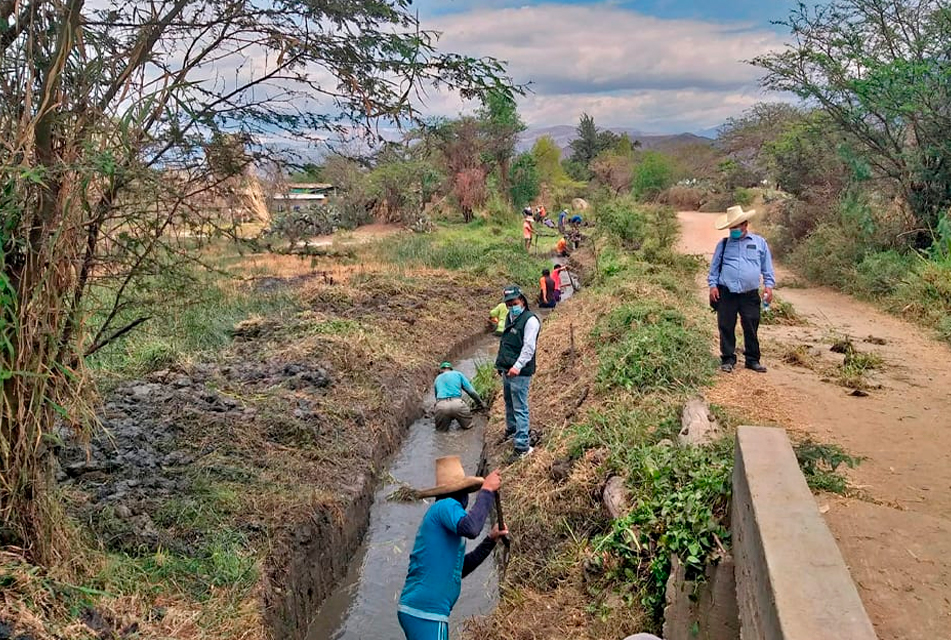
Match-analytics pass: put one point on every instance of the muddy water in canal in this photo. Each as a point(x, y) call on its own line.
point(363, 606)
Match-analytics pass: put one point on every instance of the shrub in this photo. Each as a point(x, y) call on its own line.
point(717, 202)
point(654, 173)
point(624, 218)
point(644, 347)
point(743, 196)
point(881, 273)
point(683, 198)
point(828, 256)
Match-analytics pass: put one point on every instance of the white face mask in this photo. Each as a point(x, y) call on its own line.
point(516, 310)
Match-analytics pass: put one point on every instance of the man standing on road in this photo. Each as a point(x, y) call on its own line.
point(439, 560)
point(739, 262)
point(516, 364)
point(450, 406)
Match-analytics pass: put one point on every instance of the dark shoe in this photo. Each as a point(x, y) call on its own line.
point(518, 455)
point(726, 367)
point(755, 366)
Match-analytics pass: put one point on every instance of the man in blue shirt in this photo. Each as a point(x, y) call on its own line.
point(439, 560)
point(450, 406)
point(739, 262)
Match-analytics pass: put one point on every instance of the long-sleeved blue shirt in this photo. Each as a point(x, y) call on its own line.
point(439, 560)
point(744, 260)
point(451, 384)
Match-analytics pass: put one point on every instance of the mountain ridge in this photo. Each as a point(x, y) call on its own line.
point(563, 134)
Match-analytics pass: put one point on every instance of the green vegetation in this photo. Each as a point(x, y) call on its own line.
point(644, 347)
point(487, 382)
point(821, 465)
point(189, 324)
point(681, 497)
point(645, 351)
point(491, 253)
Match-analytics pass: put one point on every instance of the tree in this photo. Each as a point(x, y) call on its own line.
point(805, 158)
point(879, 70)
point(559, 186)
point(742, 138)
point(524, 179)
point(105, 117)
point(547, 157)
point(614, 170)
point(586, 146)
point(654, 173)
point(462, 146)
point(501, 126)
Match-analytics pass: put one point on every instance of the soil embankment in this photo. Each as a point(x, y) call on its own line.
point(896, 538)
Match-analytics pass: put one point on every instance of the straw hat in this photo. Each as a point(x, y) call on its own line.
point(450, 478)
point(734, 216)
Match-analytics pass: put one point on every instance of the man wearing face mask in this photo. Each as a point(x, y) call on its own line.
point(739, 262)
point(516, 364)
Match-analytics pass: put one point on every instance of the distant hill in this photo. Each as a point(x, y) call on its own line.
point(563, 134)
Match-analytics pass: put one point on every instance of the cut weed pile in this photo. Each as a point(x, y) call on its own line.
point(608, 405)
point(214, 460)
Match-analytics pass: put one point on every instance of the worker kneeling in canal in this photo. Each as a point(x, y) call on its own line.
point(450, 406)
point(439, 560)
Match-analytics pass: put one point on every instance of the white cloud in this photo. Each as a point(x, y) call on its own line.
point(624, 68)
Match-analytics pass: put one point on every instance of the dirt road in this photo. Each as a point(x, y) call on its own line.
point(897, 538)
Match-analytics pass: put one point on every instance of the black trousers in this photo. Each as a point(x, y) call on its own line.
point(747, 306)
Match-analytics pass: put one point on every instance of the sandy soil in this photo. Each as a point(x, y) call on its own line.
point(897, 541)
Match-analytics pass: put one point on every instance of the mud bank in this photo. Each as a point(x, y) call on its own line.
point(317, 554)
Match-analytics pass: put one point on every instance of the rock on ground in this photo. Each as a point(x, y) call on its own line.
point(698, 425)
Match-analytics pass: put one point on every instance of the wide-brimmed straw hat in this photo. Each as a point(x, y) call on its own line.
point(450, 478)
point(734, 216)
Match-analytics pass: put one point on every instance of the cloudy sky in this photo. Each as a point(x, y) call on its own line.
point(661, 66)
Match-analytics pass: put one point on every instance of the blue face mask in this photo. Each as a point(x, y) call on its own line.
point(736, 234)
point(516, 310)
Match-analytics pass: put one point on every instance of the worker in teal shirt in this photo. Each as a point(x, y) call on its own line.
point(449, 387)
point(439, 560)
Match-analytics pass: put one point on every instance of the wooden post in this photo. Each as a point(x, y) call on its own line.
point(571, 338)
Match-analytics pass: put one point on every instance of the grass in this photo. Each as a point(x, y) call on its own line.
point(184, 327)
point(611, 410)
point(487, 382)
point(221, 562)
point(491, 253)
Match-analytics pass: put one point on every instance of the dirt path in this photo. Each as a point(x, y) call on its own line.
point(898, 541)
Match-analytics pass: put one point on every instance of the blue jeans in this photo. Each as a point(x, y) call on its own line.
point(515, 391)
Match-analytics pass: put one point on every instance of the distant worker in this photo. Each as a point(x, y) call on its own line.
point(439, 560)
point(556, 272)
point(450, 406)
point(561, 248)
point(528, 230)
point(576, 220)
point(516, 363)
point(562, 221)
point(546, 293)
point(738, 263)
point(542, 212)
point(497, 318)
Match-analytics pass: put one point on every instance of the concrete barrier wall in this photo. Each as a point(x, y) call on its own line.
point(791, 580)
